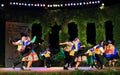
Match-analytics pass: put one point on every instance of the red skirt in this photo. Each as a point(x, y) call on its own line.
point(31, 57)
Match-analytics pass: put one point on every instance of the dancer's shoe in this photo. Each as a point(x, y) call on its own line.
point(13, 66)
point(22, 68)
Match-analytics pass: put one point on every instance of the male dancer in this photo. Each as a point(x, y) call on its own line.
point(111, 53)
point(47, 58)
point(98, 50)
point(67, 49)
point(79, 52)
point(20, 49)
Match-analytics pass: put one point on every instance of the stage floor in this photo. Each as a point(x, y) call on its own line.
point(57, 71)
point(53, 69)
point(43, 69)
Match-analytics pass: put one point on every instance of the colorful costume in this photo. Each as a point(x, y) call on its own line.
point(31, 57)
point(47, 57)
point(80, 56)
point(98, 50)
point(91, 57)
point(18, 58)
point(111, 52)
point(67, 49)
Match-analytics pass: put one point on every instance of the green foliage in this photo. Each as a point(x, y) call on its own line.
point(63, 36)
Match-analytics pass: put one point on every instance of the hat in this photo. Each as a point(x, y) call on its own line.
point(109, 41)
point(75, 38)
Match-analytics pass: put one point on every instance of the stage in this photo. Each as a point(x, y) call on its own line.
point(43, 69)
point(53, 69)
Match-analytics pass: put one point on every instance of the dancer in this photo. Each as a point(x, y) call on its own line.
point(111, 53)
point(91, 58)
point(67, 49)
point(24, 49)
point(72, 54)
point(20, 49)
point(29, 54)
point(47, 58)
point(98, 50)
point(79, 56)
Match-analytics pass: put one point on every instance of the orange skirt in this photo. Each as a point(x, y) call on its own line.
point(31, 57)
point(81, 58)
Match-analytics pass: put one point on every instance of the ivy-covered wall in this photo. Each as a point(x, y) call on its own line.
point(81, 17)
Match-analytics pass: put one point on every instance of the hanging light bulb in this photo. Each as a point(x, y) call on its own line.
point(102, 6)
point(2, 5)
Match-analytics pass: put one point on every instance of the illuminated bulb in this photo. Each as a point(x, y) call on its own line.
point(43, 5)
point(61, 5)
point(29, 4)
point(10, 3)
point(102, 6)
point(2, 5)
point(16, 3)
point(13, 3)
point(98, 1)
point(20, 4)
point(65, 4)
point(80, 3)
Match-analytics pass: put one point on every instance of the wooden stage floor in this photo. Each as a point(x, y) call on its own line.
point(43, 69)
point(54, 69)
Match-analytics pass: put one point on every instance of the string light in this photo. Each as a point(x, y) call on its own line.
point(2, 5)
point(102, 6)
point(67, 4)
